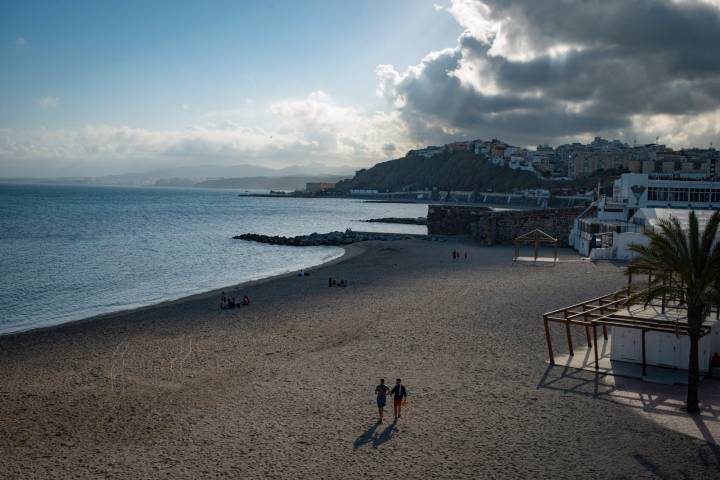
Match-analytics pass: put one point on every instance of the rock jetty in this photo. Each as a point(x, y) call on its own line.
point(317, 239)
point(405, 221)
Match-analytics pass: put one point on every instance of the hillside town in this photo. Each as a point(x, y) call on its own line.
point(576, 160)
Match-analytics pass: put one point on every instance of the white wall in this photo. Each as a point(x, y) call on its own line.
point(662, 349)
point(622, 241)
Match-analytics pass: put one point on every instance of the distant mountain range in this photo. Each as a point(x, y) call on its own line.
point(287, 184)
point(212, 176)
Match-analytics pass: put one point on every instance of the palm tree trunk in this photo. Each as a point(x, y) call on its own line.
point(694, 322)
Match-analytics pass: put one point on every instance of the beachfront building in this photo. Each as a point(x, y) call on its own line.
point(362, 191)
point(607, 228)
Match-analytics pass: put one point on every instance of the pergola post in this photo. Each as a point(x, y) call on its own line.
point(587, 329)
point(663, 295)
point(569, 335)
point(644, 371)
point(597, 365)
point(549, 342)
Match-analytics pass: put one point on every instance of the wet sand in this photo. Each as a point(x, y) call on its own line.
point(283, 388)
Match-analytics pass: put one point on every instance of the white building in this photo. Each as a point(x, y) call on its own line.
point(639, 190)
point(664, 349)
point(356, 191)
point(607, 228)
point(427, 152)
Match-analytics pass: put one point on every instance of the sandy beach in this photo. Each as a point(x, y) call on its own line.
point(284, 388)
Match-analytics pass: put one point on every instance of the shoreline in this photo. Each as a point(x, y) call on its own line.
point(185, 390)
point(350, 251)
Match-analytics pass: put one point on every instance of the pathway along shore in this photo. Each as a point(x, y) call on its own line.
point(283, 388)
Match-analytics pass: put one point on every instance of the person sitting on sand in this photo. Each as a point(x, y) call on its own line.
point(399, 393)
point(246, 300)
point(342, 283)
point(381, 392)
point(223, 301)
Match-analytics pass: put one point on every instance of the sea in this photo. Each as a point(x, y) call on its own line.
point(72, 252)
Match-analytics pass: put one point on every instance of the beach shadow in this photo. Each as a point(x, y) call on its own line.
point(385, 436)
point(664, 403)
point(652, 467)
point(366, 437)
point(372, 436)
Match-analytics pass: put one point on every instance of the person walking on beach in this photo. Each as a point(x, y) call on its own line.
point(399, 393)
point(381, 392)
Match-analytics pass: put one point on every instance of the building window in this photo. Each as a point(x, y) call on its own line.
point(652, 194)
point(715, 196)
point(699, 195)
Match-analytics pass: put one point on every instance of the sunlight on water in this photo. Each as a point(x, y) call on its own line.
point(72, 252)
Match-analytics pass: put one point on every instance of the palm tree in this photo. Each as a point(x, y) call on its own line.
point(685, 268)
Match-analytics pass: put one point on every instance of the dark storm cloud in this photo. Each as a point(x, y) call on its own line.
point(552, 70)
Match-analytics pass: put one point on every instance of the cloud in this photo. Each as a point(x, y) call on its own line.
point(311, 129)
point(557, 70)
point(20, 41)
point(48, 102)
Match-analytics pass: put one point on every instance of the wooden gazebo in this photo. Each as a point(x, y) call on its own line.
point(535, 237)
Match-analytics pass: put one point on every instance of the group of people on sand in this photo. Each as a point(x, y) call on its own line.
point(399, 394)
point(229, 302)
point(332, 282)
point(456, 254)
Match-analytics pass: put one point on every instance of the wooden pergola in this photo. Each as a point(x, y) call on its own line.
point(535, 237)
point(613, 310)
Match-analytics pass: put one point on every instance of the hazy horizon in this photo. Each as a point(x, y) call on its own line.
point(94, 89)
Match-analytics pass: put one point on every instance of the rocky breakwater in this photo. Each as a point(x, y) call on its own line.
point(402, 220)
point(324, 239)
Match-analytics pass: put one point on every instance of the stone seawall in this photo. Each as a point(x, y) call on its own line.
point(491, 227)
point(453, 219)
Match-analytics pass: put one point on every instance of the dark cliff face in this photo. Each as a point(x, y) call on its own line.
point(457, 171)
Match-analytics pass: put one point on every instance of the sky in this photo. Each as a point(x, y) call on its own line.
point(97, 88)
